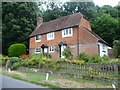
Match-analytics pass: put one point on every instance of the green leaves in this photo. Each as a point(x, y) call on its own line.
point(19, 20)
point(16, 50)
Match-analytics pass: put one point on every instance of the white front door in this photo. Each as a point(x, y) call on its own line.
point(62, 49)
point(45, 50)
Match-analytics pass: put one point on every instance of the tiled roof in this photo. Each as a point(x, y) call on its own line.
point(58, 24)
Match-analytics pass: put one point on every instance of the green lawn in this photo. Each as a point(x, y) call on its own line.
point(54, 81)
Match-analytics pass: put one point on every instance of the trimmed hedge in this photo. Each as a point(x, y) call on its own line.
point(16, 50)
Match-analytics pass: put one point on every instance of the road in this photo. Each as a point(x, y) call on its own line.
point(8, 82)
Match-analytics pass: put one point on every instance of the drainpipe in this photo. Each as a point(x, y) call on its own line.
point(78, 41)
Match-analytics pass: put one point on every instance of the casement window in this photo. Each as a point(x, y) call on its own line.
point(50, 36)
point(37, 38)
point(37, 50)
point(103, 48)
point(67, 32)
point(51, 49)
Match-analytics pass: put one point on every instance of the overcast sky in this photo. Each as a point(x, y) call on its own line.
point(106, 2)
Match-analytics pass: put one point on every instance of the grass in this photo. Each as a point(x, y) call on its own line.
point(32, 80)
point(37, 79)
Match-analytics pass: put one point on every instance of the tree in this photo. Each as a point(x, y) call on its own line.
point(19, 20)
point(116, 48)
point(106, 27)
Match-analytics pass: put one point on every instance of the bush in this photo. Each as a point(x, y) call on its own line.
point(105, 59)
point(14, 60)
point(67, 53)
point(15, 66)
point(83, 56)
point(25, 56)
point(79, 62)
point(42, 55)
point(16, 50)
point(4, 60)
point(96, 59)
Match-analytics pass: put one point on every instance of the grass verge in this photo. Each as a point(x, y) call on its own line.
point(38, 79)
point(28, 80)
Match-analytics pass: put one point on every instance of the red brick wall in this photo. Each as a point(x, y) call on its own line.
point(57, 39)
point(87, 41)
point(85, 24)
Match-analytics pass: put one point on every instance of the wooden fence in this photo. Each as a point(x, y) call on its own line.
point(96, 69)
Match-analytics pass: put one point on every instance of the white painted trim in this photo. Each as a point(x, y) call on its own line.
point(68, 32)
point(51, 51)
point(101, 47)
point(38, 52)
point(37, 40)
point(50, 38)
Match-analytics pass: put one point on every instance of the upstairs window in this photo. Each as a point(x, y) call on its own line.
point(67, 32)
point(38, 38)
point(50, 36)
point(51, 49)
point(37, 50)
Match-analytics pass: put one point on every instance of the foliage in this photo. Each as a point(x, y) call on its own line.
point(83, 56)
point(114, 61)
point(4, 60)
point(16, 50)
point(106, 27)
point(67, 53)
point(116, 48)
point(96, 59)
point(16, 65)
point(14, 61)
point(18, 21)
point(42, 54)
point(25, 56)
point(105, 59)
point(79, 62)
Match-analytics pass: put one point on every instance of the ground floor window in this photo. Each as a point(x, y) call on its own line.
point(51, 49)
point(37, 50)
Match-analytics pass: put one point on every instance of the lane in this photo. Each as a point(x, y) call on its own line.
point(8, 82)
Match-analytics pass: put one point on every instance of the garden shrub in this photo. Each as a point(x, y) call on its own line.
point(4, 60)
point(67, 53)
point(16, 50)
point(83, 56)
point(25, 56)
point(105, 59)
point(42, 54)
point(79, 62)
point(15, 66)
point(95, 59)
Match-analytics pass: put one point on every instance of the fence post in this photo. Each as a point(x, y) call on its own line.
point(116, 69)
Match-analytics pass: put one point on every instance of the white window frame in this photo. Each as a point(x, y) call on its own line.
point(67, 34)
point(38, 51)
point(50, 49)
point(36, 38)
point(50, 36)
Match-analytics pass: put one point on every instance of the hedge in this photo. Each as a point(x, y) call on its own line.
point(16, 50)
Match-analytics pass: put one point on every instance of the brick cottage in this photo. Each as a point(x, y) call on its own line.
point(72, 31)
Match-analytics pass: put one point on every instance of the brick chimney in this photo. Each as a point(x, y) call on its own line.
point(39, 21)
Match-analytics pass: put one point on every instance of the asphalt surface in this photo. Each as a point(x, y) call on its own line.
point(8, 82)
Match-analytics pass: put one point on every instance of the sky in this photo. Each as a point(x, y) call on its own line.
point(106, 2)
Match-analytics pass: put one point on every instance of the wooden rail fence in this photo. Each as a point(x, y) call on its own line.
point(98, 69)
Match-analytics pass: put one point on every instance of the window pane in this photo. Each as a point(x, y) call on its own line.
point(66, 31)
point(38, 37)
point(70, 31)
